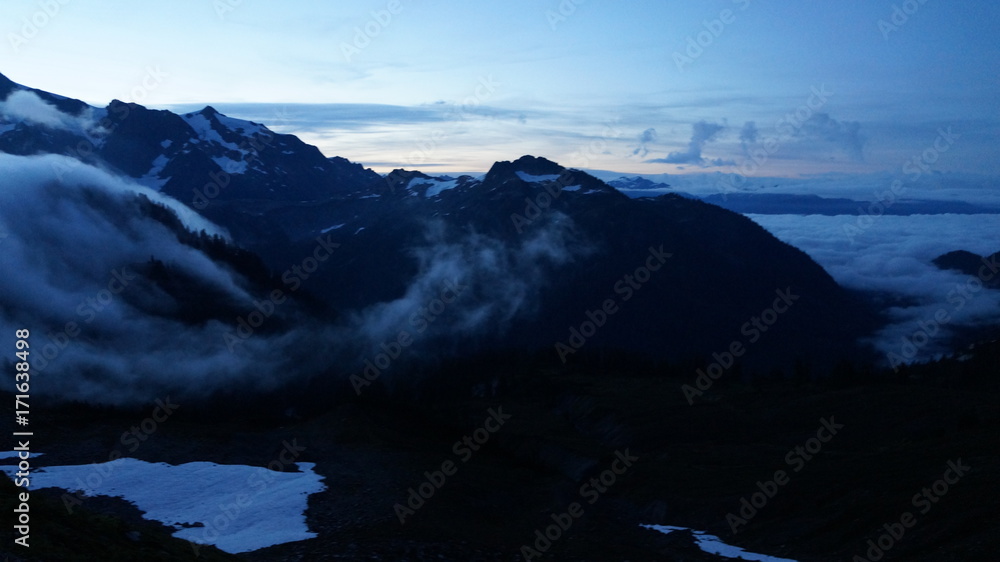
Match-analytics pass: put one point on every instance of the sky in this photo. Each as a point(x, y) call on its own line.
point(793, 88)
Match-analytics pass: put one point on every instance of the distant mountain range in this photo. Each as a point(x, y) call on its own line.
point(550, 258)
point(756, 202)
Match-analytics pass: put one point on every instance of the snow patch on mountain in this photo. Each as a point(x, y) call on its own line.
point(441, 185)
point(229, 165)
point(203, 128)
point(248, 128)
point(714, 545)
point(152, 179)
point(237, 508)
point(531, 178)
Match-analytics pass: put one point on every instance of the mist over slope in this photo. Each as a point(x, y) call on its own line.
point(356, 270)
point(118, 306)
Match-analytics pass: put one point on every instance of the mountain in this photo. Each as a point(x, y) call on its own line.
point(724, 269)
point(982, 267)
point(553, 259)
point(639, 186)
point(230, 330)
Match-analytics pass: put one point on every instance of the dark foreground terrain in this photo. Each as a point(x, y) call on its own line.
point(690, 465)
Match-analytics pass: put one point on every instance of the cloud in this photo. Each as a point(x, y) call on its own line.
point(23, 174)
point(842, 135)
point(360, 116)
point(893, 256)
point(106, 333)
point(27, 106)
point(24, 105)
point(702, 133)
point(748, 136)
point(98, 331)
point(489, 282)
point(647, 136)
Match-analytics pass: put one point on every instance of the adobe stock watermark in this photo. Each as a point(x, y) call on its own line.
point(224, 7)
point(914, 168)
point(293, 278)
point(787, 126)
point(924, 500)
point(932, 327)
point(626, 287)
point(591, 491)
point(258, 482)
point(696, 44)
point(899, 17)
point(132, 439)
point(32, 25)
point(364, 35)
point(796, 459)
point(420, 320)
point(752, 330)
point(463, 449)
point(563, 11)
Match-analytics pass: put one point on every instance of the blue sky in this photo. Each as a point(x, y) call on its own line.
point(454, 86)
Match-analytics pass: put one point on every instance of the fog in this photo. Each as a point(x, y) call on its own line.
point(893, 254)
point(72, 244)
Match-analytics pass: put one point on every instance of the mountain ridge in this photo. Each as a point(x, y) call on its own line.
point(542, 246)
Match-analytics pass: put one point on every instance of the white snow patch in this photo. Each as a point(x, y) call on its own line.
point(265, 507)
point(532, 178)
point(239, 125)
point(229, 165)
point(203, 127)
point(152, 178)
point(714, 545)
point(414, 183)
point(359, 230)
point(158, 165)
point(166, 143)
point(441, 185)
point(334, 227)
point(574, 188)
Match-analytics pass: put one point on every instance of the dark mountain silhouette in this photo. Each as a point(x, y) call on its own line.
point(277, 196)
point(969, 263)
